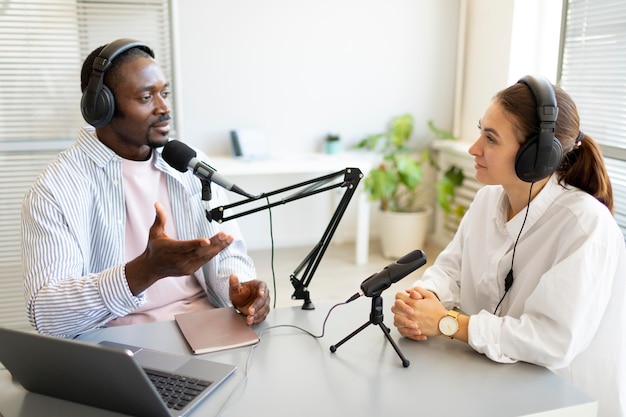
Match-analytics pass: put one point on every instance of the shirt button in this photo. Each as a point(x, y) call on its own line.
point(115, 182)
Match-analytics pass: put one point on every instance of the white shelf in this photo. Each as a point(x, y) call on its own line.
point(292, 164)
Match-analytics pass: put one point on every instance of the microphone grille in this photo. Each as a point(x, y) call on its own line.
point(178, 155)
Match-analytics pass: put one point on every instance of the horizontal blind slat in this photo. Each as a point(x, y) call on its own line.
point(42, 46)
point(593, 72)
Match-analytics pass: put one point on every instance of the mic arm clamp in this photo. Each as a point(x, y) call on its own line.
point(206, 190)
point(351, 178)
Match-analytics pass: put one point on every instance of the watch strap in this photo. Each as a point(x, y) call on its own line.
point(454, 314)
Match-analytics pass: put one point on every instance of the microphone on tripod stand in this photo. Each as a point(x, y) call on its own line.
point(374, 285)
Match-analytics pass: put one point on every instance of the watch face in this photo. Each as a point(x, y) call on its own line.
point(448, 325)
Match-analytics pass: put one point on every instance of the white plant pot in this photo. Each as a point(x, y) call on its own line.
point(400, 233)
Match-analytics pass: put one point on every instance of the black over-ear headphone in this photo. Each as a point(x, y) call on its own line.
point(97, 103)
point(540, 155)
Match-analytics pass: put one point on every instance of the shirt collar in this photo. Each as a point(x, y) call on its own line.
point(537, 208)
point(94, 149)
point(101, 154)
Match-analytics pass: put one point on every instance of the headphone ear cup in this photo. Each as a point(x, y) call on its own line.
point(97, 103)
point(527, 156)
point(98, 109)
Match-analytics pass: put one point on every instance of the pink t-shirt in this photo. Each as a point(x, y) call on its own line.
point(171, 295)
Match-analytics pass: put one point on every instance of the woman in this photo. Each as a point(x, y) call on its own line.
point(536, 270)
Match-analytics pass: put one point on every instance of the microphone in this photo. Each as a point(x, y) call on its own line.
point(182, 157)
point(392, 273)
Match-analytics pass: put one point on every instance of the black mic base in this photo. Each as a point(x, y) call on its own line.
point(376, 318)
point(308, 305)
point(301, 293)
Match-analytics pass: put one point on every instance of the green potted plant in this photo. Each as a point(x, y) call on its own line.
point(451, 179)
point(396, 183)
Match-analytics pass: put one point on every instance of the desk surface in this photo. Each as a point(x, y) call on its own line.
point(292, 373)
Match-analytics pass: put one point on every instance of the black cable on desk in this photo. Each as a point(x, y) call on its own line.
point(253, 347)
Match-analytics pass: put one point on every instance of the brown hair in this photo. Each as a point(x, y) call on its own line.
point(582, 165)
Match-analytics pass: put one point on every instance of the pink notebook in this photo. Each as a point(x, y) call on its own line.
point(215, 329)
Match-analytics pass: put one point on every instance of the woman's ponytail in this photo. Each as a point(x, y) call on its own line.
point(583, 167)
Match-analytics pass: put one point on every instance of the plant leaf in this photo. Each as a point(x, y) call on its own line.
point(440, 133)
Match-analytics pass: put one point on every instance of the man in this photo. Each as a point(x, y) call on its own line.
point(111, 234)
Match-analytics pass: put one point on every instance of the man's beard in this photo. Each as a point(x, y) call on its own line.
point(154, 144)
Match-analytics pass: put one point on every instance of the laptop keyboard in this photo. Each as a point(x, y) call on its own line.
point(176, 390)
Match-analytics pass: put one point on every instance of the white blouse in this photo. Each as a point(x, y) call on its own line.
point(566, 309)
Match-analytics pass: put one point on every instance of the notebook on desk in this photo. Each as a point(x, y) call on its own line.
point(109, 375)
point(215, 329)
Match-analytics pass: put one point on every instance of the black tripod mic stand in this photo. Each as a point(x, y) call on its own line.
point(376, 318)
point(375, 285)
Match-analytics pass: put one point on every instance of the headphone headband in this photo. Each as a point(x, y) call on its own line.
point(97, 103)
point(105, 58)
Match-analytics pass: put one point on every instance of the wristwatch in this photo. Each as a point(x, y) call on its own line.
point(449, 325)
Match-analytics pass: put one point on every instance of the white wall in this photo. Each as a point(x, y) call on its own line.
point(302, 69)
point(486, 65)
point(505, 40)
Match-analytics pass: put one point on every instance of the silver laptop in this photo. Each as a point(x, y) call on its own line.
point(110, 375)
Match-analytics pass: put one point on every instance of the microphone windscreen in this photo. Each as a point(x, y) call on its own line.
point(393, 273)
point(178, 155)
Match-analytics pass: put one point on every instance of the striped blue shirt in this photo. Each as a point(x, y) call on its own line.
point(73, 221)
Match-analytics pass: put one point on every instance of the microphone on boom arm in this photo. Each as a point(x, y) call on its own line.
point(183, 158)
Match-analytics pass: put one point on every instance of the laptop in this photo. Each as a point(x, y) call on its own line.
point(109, 375)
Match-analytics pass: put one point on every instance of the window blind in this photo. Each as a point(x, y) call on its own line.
point(593, 72)
point(42, 46)
point(39, 55)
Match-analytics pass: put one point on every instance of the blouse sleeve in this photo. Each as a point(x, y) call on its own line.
point(563, 312)
point(443, 277)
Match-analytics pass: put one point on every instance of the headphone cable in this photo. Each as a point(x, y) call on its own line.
point(508, 281)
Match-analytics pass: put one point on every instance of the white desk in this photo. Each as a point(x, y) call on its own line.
point(313, 165)
point(292, 373)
